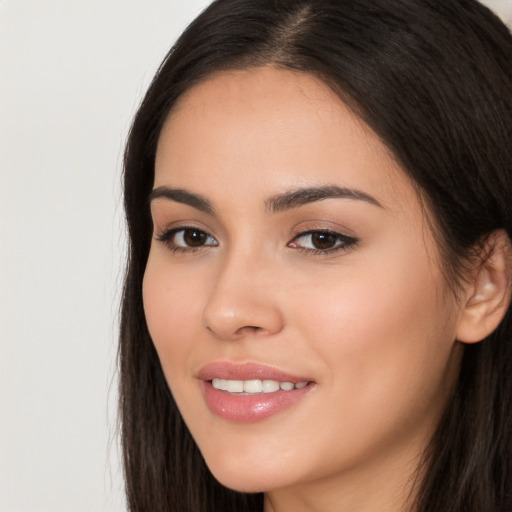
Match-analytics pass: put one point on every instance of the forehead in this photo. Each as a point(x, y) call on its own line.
point(278, 88)
point(279, 127)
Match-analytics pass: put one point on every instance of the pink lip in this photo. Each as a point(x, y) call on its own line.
point(249, 408)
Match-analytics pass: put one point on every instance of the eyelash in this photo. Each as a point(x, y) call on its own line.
point(167, 238)
point(343, 242)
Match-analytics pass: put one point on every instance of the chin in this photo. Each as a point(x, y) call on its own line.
point(249, 479)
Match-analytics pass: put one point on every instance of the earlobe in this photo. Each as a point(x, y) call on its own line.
point(488, 293)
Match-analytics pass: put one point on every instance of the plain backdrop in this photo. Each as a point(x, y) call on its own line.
point(72, 73)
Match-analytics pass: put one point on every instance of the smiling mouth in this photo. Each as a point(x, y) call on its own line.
point(255, 386)
point(234, 392)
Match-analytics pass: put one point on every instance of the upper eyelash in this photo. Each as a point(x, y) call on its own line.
point(167, 235)
point(349, 241)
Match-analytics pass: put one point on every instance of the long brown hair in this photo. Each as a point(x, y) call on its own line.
point(433, 78)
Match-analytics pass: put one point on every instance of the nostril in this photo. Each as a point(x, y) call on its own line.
point(246, 330)
point(252, 329)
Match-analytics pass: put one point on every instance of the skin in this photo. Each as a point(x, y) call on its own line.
point(373, 324)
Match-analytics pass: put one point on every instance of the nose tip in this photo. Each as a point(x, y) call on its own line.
point(247, 319)
point(241, 305)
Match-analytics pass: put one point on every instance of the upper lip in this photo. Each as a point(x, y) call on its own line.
point(246, 371)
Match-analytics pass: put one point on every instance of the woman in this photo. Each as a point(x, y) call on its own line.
point(316, 312)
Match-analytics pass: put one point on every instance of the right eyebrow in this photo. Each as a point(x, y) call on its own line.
point(182, 196)
point(303, 196)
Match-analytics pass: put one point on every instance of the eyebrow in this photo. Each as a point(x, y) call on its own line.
point(302, 196)
point(182, 196)
point(275, 204)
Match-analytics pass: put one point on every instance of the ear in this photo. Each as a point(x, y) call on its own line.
point(487, 296)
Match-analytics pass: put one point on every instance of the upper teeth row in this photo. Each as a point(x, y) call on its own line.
point(255, 386)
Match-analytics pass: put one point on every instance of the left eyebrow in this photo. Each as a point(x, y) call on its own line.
point(182, 196)
point(302, 196)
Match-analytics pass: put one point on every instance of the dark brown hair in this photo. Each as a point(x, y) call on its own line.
point(433, 78)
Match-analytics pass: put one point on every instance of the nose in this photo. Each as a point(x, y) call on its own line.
point(243, 300)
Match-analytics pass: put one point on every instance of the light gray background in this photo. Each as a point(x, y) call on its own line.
point(71, 75)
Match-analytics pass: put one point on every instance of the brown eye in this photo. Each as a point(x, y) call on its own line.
point(322, 241)
point(194, 237)
point(187, 239)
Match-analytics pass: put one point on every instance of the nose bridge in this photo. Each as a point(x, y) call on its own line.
point(241, 299)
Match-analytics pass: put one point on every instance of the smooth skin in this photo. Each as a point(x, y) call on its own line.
point(347, 291)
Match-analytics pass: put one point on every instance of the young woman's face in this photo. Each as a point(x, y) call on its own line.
point(290, 251)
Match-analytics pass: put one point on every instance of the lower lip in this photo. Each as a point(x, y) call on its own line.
point(250, 408)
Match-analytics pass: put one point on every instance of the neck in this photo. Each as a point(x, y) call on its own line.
point(380, 486)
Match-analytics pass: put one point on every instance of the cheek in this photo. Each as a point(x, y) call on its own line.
point(385, 343)
point(171, 307)
point(384, 330)
point(381, 299)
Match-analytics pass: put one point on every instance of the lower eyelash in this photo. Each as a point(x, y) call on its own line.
point(347, 243)
point(338, 248)
point(166, 236)
point(165, 239)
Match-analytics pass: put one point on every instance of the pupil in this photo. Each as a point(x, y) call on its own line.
point(194, 238)
point(323, 240)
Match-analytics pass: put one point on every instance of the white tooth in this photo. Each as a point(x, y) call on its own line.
point(253, 386)
point(219, 384)
point(270, 386)
point(235, 386)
